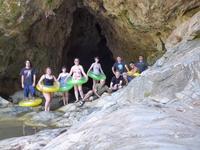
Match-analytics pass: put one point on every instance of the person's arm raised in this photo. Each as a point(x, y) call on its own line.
point(127, 69)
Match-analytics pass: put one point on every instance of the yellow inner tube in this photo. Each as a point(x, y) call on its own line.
point(133, 74)
point(30, 103)
point(48, 89)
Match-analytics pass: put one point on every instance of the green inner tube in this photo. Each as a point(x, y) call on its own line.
point(96, 77)
point(71, 81)
point(65, 88)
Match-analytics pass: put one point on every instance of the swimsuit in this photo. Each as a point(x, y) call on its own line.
point(48, 82)
point(63, 80)
point(77, 73)
point(96, 69)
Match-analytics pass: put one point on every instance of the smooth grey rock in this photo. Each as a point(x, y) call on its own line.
point(3, 102)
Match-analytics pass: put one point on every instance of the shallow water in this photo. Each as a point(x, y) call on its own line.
point(13, 128)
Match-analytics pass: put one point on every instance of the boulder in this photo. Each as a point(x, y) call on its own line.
point(3, 102)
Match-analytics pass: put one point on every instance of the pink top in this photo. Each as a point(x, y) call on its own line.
point(77, 75)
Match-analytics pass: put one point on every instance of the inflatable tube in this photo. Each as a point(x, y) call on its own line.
point(48, 89)
point(71, 81)
point(96, 77)
point(65, 88)
point(30, 103)
point(133, 74)
point(136, 74)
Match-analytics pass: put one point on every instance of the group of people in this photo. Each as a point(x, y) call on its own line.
point(123, 74)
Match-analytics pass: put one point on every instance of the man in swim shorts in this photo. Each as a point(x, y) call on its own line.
point(96, 93)
point(28, 79)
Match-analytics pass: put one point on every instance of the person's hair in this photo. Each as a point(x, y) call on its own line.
point(131, 62)
point(63, 67)
point(96, 57)
point(76, 58)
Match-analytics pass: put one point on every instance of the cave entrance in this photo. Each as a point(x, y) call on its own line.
point(87, 41)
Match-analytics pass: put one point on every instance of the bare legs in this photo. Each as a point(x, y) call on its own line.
point(48, 98)
point(65, 98)
point(87, 96)
point(94, 83)
point(78, 89)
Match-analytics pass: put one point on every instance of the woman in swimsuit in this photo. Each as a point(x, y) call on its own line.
point(48, 80)
point(96, 69)
point(62, 80)
point(76, 72)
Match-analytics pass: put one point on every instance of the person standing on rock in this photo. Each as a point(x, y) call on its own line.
point(47, 80)
point(77, 72)
point(96, 69)
point(116, 82)
point(28, 79)
point(62, 79)
point(120, 66)
point(141, 64)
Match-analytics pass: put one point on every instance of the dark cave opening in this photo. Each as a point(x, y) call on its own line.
point(87, 41)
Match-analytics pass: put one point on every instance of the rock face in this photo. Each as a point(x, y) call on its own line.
point(140, 27)
point(3, 102)
point(158, 110)
point(42, 31)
